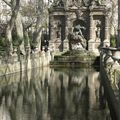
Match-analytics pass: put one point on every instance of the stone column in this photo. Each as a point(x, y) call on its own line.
point(118, 40)
point(91, 27)
point(91, 40)
point(66, 3)
point(51, 20)
point(66, 44)
point(66, 26)
point(51, 31)
point(106, 42)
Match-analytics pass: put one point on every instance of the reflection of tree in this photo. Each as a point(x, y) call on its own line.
point(102, 98)
point(57, 96)
point(25, 100)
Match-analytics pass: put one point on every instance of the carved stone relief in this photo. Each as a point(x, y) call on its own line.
point(76, 36)
point(96, 2)
point(97, 30)
point(88, 31)
point(58, 3)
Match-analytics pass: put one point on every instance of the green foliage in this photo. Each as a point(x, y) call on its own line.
point(113, 41)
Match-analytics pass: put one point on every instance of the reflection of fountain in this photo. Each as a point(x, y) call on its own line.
point(94, 84)
point(52, 94)
point(4, 111)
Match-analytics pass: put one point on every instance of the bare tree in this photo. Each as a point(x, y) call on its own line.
point(40, 23)
point(15, 6)
point(20, 35)
point(35, 14)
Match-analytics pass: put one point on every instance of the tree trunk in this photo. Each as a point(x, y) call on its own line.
point(27, 43)
point(9, 40)
point(20, 35)
point(39, 23)
point(37, 39)
point(10, 27)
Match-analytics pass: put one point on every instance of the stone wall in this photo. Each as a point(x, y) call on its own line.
point(11, 64)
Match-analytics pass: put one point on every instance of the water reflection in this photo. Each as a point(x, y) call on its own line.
point(53, 94)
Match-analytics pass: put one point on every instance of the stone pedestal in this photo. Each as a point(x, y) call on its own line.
point(106, 43)
point(59, 46)
point(94, 47)
point(66, 45)
point(91, 45)
point(56, 45)
point(116, 54)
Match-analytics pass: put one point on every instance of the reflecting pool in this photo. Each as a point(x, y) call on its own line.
point(53, 94)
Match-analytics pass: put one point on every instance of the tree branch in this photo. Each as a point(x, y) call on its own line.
point(8, 3)
point(30, 25)
point(14, 13)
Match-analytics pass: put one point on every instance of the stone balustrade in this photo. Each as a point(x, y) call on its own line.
point(110, 58)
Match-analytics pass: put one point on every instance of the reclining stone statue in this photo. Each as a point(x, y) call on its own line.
point(76, 38)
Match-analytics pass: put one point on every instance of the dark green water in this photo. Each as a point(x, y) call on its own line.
point(49, 94)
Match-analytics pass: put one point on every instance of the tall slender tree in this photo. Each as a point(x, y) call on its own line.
point(118, 41)
point(15, 6)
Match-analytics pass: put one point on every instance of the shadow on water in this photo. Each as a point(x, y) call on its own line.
point(49, 94)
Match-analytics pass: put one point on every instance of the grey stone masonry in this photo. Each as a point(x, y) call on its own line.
point(90, 18)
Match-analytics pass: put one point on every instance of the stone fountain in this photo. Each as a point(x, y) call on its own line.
point(81, 26)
